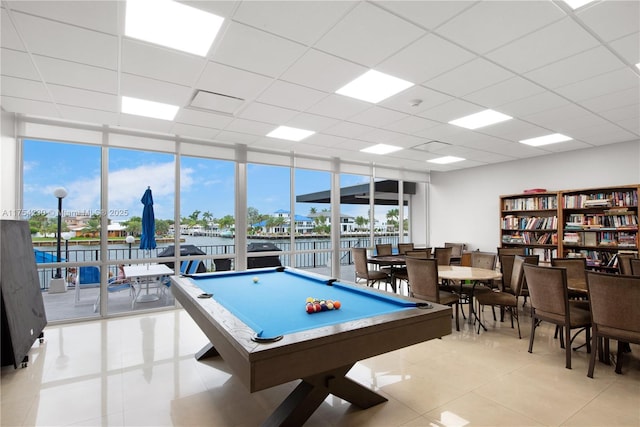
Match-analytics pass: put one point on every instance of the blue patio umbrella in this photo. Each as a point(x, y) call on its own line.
point(148, 238)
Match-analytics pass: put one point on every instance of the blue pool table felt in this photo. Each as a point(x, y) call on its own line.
point(275, 305)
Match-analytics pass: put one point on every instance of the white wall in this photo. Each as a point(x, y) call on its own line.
point(464, 205)
point(8, 165)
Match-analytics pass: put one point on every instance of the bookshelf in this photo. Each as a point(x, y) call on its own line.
point(530, 220)
point(594, 223)
point(599, 223)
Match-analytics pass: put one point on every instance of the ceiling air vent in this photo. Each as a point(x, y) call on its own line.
point(216, 102)
point(431, 146)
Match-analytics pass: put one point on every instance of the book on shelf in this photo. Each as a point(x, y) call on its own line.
point(597, 203)
point(590, 239)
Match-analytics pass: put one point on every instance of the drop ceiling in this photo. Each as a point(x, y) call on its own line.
point(553, 69)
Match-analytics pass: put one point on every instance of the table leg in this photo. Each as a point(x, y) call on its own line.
point(147, 297)
point(313, 390)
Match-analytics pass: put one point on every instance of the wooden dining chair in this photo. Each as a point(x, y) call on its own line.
point(383, 249)
point(423, 281)
point(614, 301)
point(576, 279)
point(549, 297)
point(635, 266)
point(404, 247)
point(624, 263)
point(364, 273)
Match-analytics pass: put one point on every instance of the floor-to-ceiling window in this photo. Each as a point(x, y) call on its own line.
point(66, 175)
point(207, 212)
point(268, 215)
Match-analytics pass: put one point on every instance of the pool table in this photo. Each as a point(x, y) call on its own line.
point(256, 320)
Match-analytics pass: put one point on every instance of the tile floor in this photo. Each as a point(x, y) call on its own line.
point(140, 371)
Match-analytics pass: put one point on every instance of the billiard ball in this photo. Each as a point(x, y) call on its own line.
point(337, 305)
point(329, 305)
point(255, 280)
point(310, 308)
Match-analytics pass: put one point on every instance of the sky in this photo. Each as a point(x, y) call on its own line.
point(206, 185)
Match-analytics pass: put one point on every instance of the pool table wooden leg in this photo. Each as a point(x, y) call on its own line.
point(313, 390)
point(207, 351)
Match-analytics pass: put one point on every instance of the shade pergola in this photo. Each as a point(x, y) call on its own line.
point(386, 193)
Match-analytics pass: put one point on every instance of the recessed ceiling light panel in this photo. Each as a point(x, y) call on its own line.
point(172, 24)
point(446, 159)
point(374, 86)
point(291, 134)
point(481, 119)
point(547, 139)
point(381, 149)
point(142, 107)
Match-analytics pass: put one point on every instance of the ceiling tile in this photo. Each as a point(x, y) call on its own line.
point(405, 101)
point(289, 95)
point(231, 81)
point(266, 113)
point(249, 127)
point(533, 104)
point(144, 123)
point(552, 43)
point(311, 122)
point(487, 18)
point(237, 137)
point(425, 59)
point(509, 90)
point(410, 124)
point(373, 35)
point(380, 136)
point(191, 131)
point(628, 47)
point(159, 63)
point(470, 77)
point(301, 21)
point(515, 130)
point(96, 15)
point(30, 107)
point(18, 64)
point(202, 119)
point(612, 19)
point(256, 51)
point(451, 110)
point(322, 71)
point(429, 14)
point(377, 116)
point(154, 90)
point(324, 140)
point(600, 85)
point(603, 133)
point(576, 68)
point(23, 88)
point(84, 98)
point(348, 130)
point(612, 100)
point(77, 75)
point(68, 42)
point(9, 37)
point(339, 107)
point(88, 115)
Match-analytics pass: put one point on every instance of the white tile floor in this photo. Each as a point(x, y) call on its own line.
point(140, 371)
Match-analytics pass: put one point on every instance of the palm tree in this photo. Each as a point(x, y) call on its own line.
point(361, 222)
point(392, 218)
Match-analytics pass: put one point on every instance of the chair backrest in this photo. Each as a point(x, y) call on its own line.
point(420, 253)
point(614, 301)
point(456, 248)
point(360, 262)
point(548, 290)
point(443, 255)
point(423, 278)
point(404, 247)
point(517, 279)
point(512, 251)
point(89, 275)
point(193, 267)
point(384, 249)
point(506, 267)
point(624, 263)
point(635, 266)
point(483, 260)
point(576, 271)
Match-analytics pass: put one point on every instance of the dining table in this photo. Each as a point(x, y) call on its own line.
point(146, 273)
point(394, 263)
point(460, 274)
